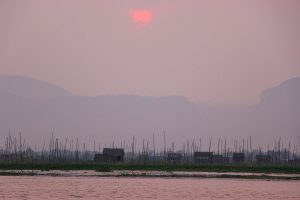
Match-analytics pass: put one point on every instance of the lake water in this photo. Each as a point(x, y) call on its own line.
point(102, 188)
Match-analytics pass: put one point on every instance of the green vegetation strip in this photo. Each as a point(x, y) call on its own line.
point(103, 167)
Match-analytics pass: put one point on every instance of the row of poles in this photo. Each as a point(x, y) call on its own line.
point(18, 150)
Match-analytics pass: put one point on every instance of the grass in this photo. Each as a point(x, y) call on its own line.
point(106, 167)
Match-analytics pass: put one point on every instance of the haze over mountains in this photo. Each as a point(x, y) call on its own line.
point(38, 108)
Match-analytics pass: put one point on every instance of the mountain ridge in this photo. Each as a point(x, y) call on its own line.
point(30, 88)
point(114, 117)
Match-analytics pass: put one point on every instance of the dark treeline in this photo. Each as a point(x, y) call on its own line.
point(244, 152)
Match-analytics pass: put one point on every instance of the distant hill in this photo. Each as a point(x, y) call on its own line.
point(286, 94)
point(37, 108)
point(30, 88)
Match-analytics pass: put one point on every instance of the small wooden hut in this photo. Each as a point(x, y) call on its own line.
point(263, 159)
point(174, 158)
point(110, 155)
point(238, 158)
point(203, 157)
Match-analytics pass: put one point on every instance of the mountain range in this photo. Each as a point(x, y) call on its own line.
point(37, 108)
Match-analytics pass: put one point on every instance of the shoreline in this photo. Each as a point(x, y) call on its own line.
point(149, 174)
point(159, 166)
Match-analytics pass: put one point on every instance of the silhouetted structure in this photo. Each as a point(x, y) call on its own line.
point(98, 157)
point(238, 157)
point(220, 159)
point(143, 157)
point(203, 157)
point(174, 158)
point(295, 162)
point(110, 155)
point(263, 159)
point(217, 159)
point(16, 149)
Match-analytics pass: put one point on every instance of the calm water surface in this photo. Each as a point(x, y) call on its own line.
point(144, 188)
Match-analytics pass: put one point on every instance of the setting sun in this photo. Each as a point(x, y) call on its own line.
point(142, 17)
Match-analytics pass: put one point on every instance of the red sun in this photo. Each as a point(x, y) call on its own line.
point(142, 17)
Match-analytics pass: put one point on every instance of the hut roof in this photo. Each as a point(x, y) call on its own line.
point(203, 154)
point(113, 152)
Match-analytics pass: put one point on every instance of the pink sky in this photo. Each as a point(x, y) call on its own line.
point(217, 51)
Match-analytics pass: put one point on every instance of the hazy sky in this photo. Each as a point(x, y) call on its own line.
point(218, 51)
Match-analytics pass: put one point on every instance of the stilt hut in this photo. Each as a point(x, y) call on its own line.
point(110, 155)
point(203, 157)
point(238, 158)
point(174, 158)
point(263, 159)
